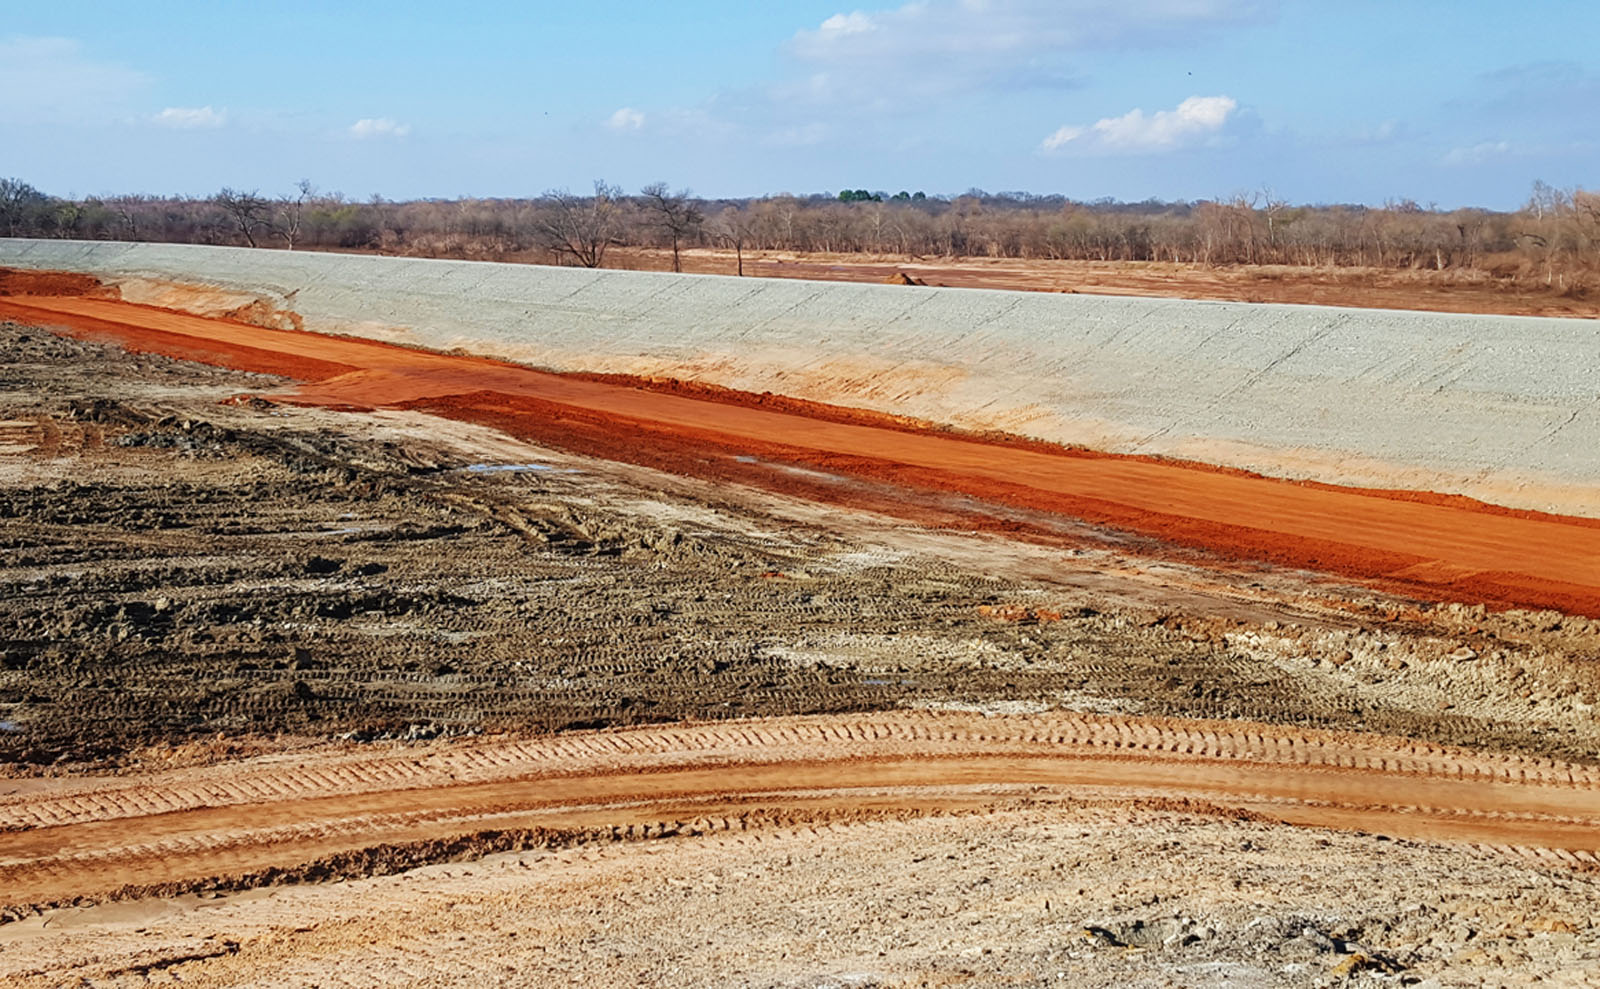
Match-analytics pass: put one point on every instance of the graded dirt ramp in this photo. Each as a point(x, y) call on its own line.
point(1436, 547)
point(256, 822)
point(1499, 408)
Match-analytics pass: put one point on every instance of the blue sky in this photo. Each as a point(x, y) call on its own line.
point(1451, 103)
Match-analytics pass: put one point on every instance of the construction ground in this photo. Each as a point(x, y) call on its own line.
point(325, 661)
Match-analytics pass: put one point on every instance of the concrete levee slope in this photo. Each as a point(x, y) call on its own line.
point(1502, 408)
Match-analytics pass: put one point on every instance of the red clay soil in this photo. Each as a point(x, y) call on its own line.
point(16, 281)
point(1453, 549)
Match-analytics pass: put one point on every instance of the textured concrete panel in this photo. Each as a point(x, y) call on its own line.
point(1500, 407)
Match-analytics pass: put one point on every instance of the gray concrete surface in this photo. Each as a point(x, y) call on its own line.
point(1499, 407)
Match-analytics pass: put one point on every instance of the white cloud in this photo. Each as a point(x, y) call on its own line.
point(1478, 153)
point(1196, 119)
point(191, 117)
point(842, 24)
point(54, 81)
point(626, 119)
point(374, 127)
point(950, 45)
point(1061, 138)
point(868, 72)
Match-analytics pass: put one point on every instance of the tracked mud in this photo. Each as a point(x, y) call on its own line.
point(181, 565)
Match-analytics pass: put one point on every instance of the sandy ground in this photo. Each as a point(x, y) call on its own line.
point(294, 695)
point(1089, 895)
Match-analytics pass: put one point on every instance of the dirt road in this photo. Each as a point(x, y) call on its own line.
point(1450, 548)
point(193, 828)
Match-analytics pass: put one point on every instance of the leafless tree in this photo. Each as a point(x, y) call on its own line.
point(291, 212)
point(130, 220)
point(1275, 210)
point(17, 200)
point(676, 214)
point(1552, 243)
point(581, 227)
point(733, 227)
point(248, 210)
point(1586, 206)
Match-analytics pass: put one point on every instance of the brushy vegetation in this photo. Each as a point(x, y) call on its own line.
point(1552, 242)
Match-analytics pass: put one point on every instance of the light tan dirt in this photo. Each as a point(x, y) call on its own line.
point(1067, 894)
point(193, 828)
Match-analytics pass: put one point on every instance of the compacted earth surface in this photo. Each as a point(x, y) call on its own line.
point(302, 690)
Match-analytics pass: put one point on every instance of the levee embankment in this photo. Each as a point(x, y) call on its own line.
point(1505, 409)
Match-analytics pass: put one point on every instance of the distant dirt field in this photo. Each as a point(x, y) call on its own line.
point(1362, 288)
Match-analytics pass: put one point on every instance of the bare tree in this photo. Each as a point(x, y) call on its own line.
point(130, 219)
point(733, 227)
point(1274, 209)
point(248, 210)
point(581, 227)
point(675, 213)
point(291, 212)
point(17, 200)
point(1586, 207)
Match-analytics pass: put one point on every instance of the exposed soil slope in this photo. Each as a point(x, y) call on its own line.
point(1455, 548)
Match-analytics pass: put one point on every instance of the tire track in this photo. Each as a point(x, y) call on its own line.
point(825, 737)
point(267, 814)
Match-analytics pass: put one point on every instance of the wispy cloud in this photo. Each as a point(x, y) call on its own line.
point(1537, 102)
point(799, 136)
point(191, 117)
point(869, 75)
point(1195, 120)
point(933, 46)
point(54, 80)
point(967, 28)
point(377, 127)
point(626, 119)
point(1382, 133)
point(1478, 153)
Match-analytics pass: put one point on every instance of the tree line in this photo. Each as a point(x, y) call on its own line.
point(1552, 240)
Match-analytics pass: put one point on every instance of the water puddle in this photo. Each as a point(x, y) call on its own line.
point(515, 469)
